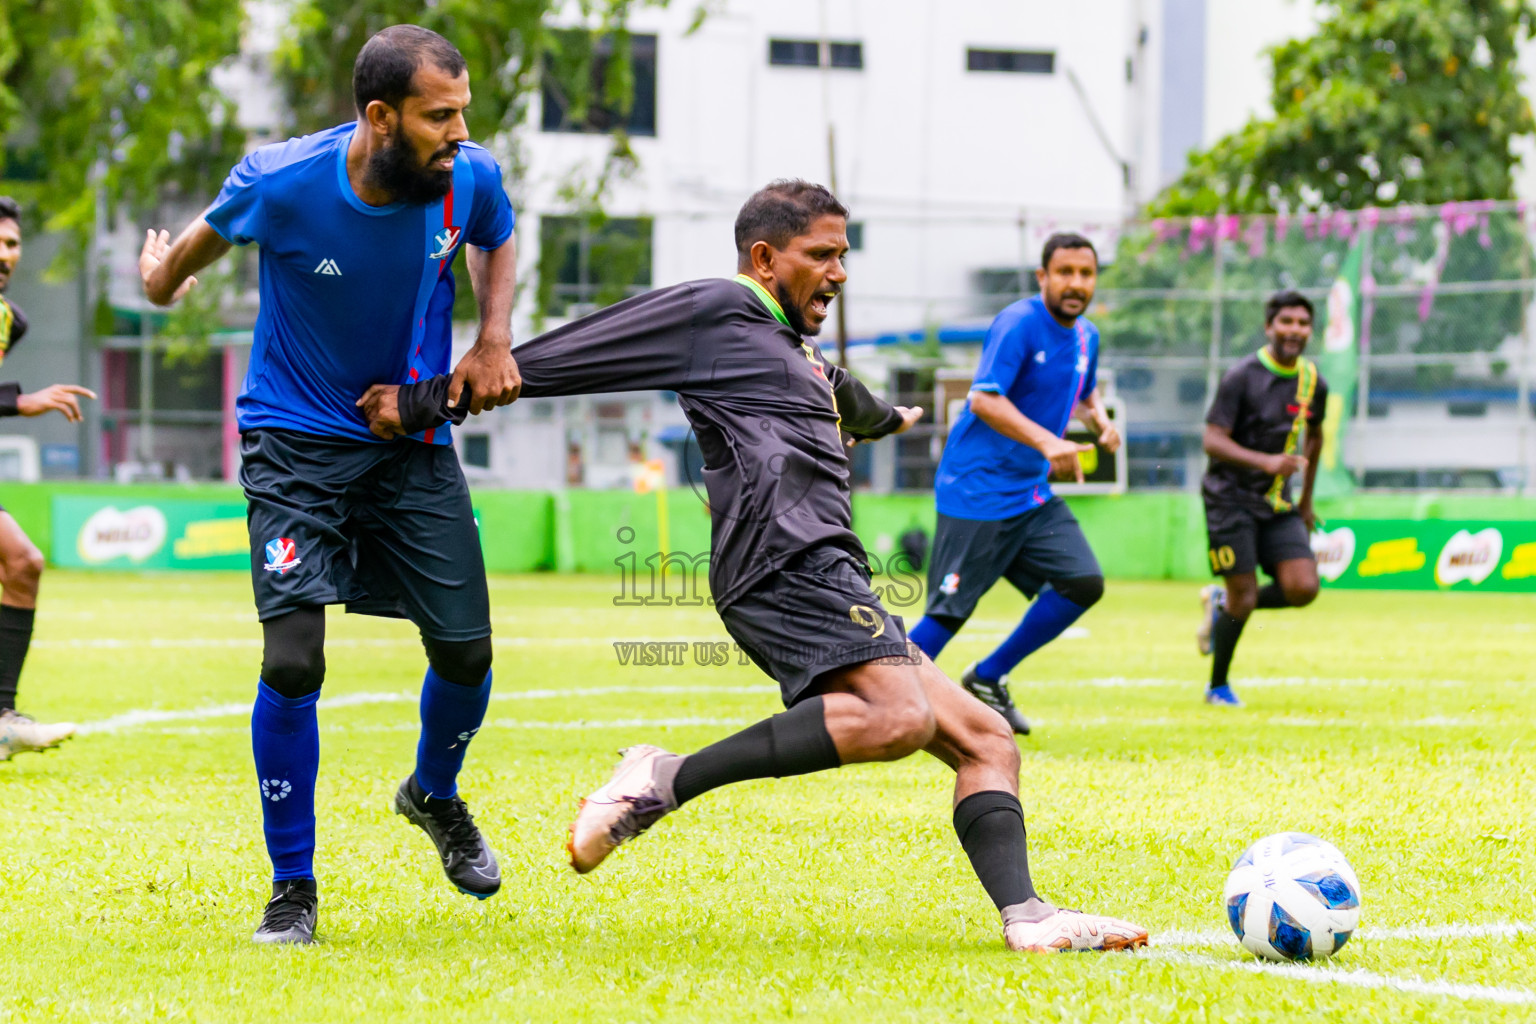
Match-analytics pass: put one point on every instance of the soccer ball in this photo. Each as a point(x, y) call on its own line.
point(1292, 896)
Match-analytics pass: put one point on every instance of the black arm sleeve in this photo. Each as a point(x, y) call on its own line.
point(1319, 410)
point(864, 414)
point(10, 395)
point(424, 405)
point(1228, 400)
point(641, 344)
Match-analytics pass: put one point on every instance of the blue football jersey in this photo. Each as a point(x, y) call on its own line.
point(1044, 369)
point(352, 295)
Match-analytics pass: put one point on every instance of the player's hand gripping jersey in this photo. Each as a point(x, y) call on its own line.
point(1266, 407)
point(351, 295)
point(764, 404)
point(1044, 369)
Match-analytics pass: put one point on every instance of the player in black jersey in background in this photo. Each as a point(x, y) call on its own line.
point(21, 563)
point(1253, 434)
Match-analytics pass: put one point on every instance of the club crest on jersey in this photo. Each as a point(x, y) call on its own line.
point(282, 555)
point(951, 583)
point(445, 240)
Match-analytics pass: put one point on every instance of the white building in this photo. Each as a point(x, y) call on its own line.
point(963, 133)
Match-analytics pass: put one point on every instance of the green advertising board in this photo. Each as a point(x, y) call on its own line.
point(106, 533)
point(1427, 554)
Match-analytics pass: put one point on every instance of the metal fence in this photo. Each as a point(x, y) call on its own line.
point(1445, 364)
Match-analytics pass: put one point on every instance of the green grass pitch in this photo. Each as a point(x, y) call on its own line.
point(1399, 726)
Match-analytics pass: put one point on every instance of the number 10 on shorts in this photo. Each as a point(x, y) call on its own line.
point(1222, 558)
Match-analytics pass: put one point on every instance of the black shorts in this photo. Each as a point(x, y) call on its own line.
point(812, 617)
point(385, 529)
point(1242, 538)
point(1029, 550)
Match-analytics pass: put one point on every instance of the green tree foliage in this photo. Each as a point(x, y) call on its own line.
point(114, 101)
point(1391, 101)
point(504, 43)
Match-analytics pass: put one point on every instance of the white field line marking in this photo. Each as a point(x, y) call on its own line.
point(1359, 979)
point(1412, 933)
point(155, 716)
point(497, 723)
point(174, 643)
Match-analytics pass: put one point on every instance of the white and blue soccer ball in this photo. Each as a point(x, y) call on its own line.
point(1292, 896)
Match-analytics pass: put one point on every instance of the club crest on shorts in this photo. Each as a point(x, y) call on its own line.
point(282, 555)
point(950, 584)
point(864, 615)
point(445, 240)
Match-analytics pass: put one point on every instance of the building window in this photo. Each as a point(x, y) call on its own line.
point(1029, 62)
point(848, 55)
point(589, 262)
point(855, 235)
point(572, 52)
point(809, 53)
point(477, 450)
point(794, 53)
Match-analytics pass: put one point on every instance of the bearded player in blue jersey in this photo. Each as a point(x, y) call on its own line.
point(996, 513)
point(358, 227)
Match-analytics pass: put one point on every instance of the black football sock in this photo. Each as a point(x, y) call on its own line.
point(793, 743)
point(1272, 596)
point(990, 825)
point(1224, 635)
point(15, 639)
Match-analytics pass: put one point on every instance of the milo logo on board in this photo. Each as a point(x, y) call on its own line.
point(1334, 550)
point(1470, 557)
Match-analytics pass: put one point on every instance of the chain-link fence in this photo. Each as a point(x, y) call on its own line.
point(1443, 391)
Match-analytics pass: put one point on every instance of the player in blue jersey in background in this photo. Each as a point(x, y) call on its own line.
point(996, 513)
point(358, 227)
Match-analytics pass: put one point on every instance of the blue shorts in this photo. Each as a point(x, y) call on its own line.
point(1029, 550)
point(385, 529)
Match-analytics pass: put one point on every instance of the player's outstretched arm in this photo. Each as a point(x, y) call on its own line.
point(997, 412)
point(168, 268)
point(644, 343)
point(488, 369)
point(63, 398)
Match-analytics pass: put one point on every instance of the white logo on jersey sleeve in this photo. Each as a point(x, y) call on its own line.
point(329, 268)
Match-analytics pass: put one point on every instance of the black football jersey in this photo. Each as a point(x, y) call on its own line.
point(1268, 409)
point(768, 411)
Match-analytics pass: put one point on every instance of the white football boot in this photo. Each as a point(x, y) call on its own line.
point(1038, 927)
point(1213, 598)
point(19, 734)
point(636, 796)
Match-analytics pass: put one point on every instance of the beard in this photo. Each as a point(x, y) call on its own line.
point(395, 170)
point(1054, 303)
point(793, 314)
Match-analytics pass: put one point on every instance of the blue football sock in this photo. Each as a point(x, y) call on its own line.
point(450, 716)
point(285, 737)
point(1047, 617)
point(930, 636)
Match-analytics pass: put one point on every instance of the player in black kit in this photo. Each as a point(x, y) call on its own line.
point(1253, 435)
point(788, 574)
point(21, 563)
